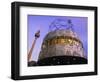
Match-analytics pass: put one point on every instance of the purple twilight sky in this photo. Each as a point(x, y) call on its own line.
point(42, 23)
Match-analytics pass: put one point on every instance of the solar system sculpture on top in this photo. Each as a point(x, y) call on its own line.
point(61, 46)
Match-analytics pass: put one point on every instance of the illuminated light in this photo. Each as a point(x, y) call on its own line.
point(77, 43)
point(63, 40)
point(68, 40)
